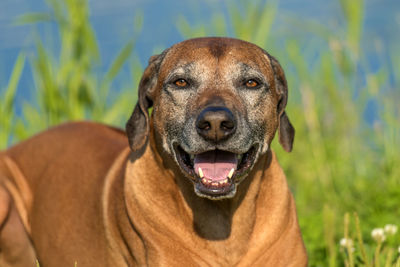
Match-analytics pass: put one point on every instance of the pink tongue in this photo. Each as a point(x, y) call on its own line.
point(215, 164)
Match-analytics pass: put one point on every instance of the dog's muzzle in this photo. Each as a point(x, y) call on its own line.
point(216, 171)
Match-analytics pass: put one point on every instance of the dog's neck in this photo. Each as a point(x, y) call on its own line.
point(167, 204)
point(227, 218)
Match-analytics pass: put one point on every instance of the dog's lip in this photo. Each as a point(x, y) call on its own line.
point(221, 188)
point(215, 192)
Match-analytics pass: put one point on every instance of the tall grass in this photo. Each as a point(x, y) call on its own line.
point(7, 96)
point(342, 162)
point(66, 83)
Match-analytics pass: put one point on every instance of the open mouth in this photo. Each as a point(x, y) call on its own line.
point(215, 172)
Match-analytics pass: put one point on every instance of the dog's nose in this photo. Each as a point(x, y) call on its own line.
point(216, 123)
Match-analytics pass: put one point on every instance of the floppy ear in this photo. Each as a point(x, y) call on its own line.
point(137, 127)
point(286, 130)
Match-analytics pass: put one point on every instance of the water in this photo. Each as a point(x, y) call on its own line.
point(113, 24)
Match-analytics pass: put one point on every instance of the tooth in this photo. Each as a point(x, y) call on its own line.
point(221, 182)
point(204, 180)
point(231, 173)
point(201, 173)
point(214, 184)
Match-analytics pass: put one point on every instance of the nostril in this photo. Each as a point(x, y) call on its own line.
point(204, 125)
point(227, 125)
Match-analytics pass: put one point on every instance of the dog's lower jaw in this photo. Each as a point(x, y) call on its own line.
point(229, 195)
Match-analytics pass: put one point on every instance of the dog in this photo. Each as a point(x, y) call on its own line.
point(194, 183)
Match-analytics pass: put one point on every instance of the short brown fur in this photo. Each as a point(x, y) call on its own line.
point(78, 192)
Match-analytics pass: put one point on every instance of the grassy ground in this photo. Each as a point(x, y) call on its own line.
point(344, 171)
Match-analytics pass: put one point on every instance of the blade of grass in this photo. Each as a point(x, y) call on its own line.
point(364, 256)
point(9, 96)
point(7, 103)
point(30, 18)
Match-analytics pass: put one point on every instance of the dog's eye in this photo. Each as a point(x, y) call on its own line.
point(251, 83)
point(181, 83)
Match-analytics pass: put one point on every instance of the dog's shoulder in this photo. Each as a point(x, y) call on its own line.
point(83, 134)
point(74, 139)
point(88, 129)
point(68, 145)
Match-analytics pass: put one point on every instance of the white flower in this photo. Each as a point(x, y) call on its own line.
point(378, 235)
point(390, 229)
point(345, 242)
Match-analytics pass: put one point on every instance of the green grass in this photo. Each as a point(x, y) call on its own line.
point(66, 85)
point(340, 163)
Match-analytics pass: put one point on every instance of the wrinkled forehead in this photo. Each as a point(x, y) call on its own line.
point(221, 55)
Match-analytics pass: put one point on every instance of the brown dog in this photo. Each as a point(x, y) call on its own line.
point(200, 187)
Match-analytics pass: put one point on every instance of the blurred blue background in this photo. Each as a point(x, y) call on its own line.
point(113, 22)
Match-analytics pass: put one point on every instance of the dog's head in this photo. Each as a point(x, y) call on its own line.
point(217, 103)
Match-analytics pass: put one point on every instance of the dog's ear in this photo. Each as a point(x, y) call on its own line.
point(286, 130)
point(137, 127)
